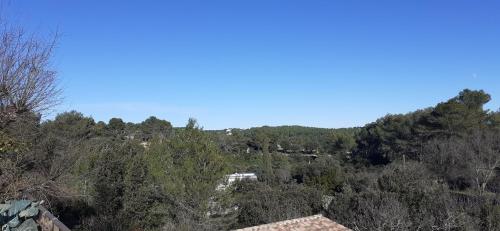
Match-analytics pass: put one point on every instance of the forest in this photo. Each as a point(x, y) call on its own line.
point(437, 168)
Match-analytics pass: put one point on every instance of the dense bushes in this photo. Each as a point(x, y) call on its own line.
point(260, 203)
point(434, 169)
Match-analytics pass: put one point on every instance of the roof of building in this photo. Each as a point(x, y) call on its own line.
point(26, 215)
point(313, 223)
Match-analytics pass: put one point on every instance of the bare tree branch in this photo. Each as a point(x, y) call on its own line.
point(27, 81)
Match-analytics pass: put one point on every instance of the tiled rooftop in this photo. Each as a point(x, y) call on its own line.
point(313, 223)
point(26, 215)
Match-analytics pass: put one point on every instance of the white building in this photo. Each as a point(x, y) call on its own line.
point(231, 178)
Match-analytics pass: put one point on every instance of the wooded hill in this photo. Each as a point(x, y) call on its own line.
point(436, 168)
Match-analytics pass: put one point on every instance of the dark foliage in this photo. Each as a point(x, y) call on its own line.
point(433, 169)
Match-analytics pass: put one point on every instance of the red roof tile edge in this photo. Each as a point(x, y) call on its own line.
point(276, 225)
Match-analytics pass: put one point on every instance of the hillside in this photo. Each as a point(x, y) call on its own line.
point(436, 167)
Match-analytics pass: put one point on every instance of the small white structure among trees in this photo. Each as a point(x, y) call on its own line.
point(231, 178)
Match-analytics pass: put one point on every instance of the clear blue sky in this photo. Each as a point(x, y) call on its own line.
point(244, 63)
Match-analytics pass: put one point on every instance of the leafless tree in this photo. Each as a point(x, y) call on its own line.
point(476, 157)
point(28, 86)
point(484, 149)
point(27, 81)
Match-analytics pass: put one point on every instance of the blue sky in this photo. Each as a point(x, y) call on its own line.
point(244, 63)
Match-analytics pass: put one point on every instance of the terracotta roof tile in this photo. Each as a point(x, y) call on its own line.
point(314, 223)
